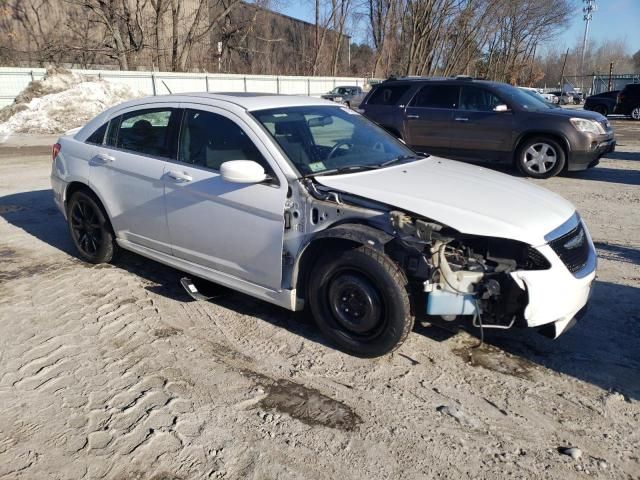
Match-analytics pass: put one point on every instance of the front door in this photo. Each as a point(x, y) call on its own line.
point(127, 171)
point(479, 133)
point(428, 119)
point(236, 229)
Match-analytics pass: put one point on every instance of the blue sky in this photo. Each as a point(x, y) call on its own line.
point(614, 19)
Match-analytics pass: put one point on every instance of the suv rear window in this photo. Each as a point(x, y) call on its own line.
point(387, 94)
point(437, 96)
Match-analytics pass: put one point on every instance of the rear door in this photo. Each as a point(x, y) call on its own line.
point(428, 118)
point(236, 229)
point(127, 172)
point(384, 106)
point(479, 133)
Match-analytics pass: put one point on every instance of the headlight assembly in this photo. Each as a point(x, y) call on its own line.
point(587, 126)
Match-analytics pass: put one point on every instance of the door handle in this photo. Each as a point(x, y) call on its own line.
point(461, 119)
point(105, 157)
point(413, 116)
point(180, 177)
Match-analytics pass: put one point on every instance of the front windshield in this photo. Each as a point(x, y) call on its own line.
point(322, 139)
point(537, 96)
point(522, 99)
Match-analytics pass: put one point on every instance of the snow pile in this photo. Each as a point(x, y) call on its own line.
point(61, 101)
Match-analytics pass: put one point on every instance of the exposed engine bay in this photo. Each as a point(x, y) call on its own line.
point(450, 273)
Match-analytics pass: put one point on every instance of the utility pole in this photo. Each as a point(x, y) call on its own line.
point(588, 9)
point(564, 64)
point(610, 74)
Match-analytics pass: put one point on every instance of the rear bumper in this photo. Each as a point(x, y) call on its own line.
point(59, 187)
point(583, 159)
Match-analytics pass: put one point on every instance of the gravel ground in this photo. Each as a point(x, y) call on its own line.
point(112, 372)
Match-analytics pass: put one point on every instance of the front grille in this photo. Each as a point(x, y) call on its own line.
point(572, 248)
point(535, 260)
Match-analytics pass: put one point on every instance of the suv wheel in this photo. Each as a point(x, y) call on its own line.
point(540, 157)
point(90, 228)
point(601, 109)
point(359, 300)
point(635, 113)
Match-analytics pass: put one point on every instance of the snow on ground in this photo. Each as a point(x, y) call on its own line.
point(61, 101)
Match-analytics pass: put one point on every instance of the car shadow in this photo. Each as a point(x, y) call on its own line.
point(621, 155)
point(618, 253)
point(609, 175)
point(602, 349)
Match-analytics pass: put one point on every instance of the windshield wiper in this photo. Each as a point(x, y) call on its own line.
point(347, 169)
point(401, 158)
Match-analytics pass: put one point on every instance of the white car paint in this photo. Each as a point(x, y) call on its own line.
point(232, 234)
point(468, 198)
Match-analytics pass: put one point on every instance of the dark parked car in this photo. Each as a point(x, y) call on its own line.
point(628, 102)
point(603, 103)
point(481, 121)
point(350, 96)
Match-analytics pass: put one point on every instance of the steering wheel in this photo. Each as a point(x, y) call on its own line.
point(337, 146)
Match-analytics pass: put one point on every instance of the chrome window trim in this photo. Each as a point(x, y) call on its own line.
point(563, 229)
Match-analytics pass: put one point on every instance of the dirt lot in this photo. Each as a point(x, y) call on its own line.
point(112, 372)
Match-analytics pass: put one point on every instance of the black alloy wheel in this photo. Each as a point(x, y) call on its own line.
point(90, 229)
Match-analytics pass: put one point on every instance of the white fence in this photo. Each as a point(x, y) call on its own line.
point(13, 80)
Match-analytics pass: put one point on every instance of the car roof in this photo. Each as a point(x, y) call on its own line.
point(246, 100)
point(462, 80)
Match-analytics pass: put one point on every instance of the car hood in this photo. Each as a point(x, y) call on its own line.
point(470, 199)
point(569, 113)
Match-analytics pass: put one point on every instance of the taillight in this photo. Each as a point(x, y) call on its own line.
point(55, 150)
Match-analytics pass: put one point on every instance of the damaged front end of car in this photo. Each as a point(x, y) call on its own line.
point(465, 274)
point(452, 275)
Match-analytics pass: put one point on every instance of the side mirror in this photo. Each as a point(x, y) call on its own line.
point(242, 171)
point(501, 108)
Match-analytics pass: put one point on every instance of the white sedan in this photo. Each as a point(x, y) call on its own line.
point(299, 201)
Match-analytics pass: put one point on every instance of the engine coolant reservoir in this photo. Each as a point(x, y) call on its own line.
point(441, 302)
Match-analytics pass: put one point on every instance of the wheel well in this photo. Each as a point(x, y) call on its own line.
point(74, 187)
point(558, 138)
point(311, 255)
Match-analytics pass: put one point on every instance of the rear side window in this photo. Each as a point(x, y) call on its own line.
point(437, 96)
point(208, 139)
point(387, 94)
point(97, 137)
point(150, 132)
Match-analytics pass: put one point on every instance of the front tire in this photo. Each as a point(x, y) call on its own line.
point(90, 228)
point(540, 157)
point(360, 302)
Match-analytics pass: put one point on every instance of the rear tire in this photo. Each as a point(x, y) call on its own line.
point(635, 113)
point(540, 157)
point(601, 109)
point(360, 302)
point(90, 228)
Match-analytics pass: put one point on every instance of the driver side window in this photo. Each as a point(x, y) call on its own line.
point(478, 99)
point(208, 140)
